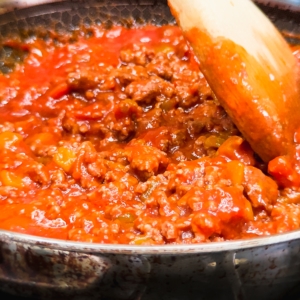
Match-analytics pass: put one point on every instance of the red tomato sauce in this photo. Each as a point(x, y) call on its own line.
point(117, 138)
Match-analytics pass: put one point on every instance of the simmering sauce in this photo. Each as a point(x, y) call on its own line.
point(117, 138)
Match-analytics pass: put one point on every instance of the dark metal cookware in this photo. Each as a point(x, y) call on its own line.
point(262, 268)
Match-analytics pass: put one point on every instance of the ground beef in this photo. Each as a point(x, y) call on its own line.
point(117, 138)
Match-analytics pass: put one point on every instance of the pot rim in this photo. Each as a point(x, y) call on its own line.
point(73, 246)
point(66, 245)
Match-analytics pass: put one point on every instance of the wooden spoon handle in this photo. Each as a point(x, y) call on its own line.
point(248, 65)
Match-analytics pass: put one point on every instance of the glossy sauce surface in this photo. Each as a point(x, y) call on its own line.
point(117, 138)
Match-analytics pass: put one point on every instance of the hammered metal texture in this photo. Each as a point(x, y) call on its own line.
point(70, 15)
point(286, 21)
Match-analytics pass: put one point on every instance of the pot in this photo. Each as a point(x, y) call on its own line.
point(261, 268)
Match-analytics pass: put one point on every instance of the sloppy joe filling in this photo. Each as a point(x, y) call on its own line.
point(117, 138)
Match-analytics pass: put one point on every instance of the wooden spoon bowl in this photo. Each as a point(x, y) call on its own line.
point(249, 66)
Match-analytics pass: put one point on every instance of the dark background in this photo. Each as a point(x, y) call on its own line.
point(5, 296)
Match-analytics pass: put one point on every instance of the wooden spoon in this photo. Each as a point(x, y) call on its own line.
point(248, 65)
